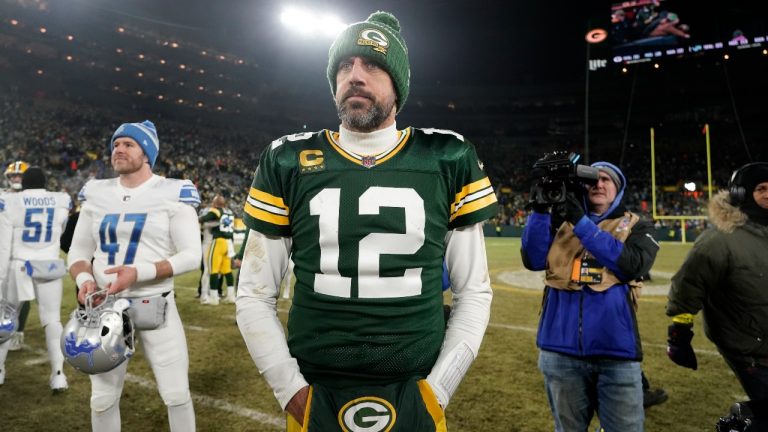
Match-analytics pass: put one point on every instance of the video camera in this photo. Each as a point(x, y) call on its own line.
point(747, 416)
point(558, 173)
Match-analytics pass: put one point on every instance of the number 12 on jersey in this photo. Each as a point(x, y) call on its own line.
point(108, 235)
point(327, 204)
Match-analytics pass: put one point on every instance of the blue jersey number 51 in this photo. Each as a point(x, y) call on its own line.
point(33, 222)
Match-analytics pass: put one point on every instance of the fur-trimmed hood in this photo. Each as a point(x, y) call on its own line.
point(725, 216)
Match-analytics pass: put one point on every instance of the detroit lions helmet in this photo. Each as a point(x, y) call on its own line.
point(99, 338)
point(9, 320)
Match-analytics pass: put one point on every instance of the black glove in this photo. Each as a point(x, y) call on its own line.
point(571, 210)
point(679, 347)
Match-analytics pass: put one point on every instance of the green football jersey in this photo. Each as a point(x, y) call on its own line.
point(368, 246)
point(225, 217)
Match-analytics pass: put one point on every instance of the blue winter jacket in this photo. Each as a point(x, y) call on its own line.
point(588, 323)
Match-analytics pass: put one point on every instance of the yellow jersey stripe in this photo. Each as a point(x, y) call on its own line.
point(433, 406)
point(338, 149)
point(333, 137)
point(474, 206)
point(265, 216)
point(267, 198)
point(468, 189)
point(397, 149)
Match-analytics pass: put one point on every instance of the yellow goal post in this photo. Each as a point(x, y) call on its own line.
point(681, 218)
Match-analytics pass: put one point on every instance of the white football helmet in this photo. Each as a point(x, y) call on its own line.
point(99, 338)
point(9, 320)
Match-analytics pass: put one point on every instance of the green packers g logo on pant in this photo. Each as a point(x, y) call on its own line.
point(367, 414)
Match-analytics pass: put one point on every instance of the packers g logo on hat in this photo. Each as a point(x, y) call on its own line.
point(375, 39)
point(367, 414)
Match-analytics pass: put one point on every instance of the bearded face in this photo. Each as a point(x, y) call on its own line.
point(365, 95)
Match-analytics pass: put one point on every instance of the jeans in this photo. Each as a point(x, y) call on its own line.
point(578, 387)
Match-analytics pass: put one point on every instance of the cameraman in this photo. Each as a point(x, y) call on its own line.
point(725, 275)
point(594, 252)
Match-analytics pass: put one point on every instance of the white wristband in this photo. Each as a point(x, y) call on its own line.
point(145, 272)
point(82, 278)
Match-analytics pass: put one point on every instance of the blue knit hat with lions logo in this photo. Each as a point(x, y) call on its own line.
point(143, 133)
point(377, 38)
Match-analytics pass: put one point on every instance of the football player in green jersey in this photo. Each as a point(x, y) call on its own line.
point(368, 214)
point(220, 252)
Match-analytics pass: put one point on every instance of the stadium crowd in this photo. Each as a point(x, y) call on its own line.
point(69, 140)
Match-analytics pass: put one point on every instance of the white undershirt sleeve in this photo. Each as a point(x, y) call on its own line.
point(83, 244)
point(265, 261)
point(6, 240)
point(471, 309)
point(189, 251)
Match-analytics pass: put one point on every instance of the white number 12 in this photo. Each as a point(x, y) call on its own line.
point(326, 205)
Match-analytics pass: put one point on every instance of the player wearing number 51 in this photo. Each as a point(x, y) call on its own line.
point(135, 229)
point(367, 214)
point(31, 223)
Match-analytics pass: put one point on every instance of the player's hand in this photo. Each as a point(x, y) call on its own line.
point(237, 263)
point(679, 347)
point(126, 276)
point(88, 288)
point(298, 405)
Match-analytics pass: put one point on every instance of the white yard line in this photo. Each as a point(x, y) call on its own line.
point(199, 399)
point(210, 402)
point(513, 327)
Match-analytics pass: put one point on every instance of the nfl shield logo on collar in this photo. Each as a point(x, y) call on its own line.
point(369, 161)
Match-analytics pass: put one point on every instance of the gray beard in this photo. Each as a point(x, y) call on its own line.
point(366, 121)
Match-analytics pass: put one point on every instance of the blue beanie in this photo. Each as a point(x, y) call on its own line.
point(143, 133)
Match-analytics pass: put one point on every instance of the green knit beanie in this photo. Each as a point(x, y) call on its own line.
point(377, 38)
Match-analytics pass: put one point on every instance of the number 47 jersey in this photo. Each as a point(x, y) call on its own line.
point(368, 235)
point(132, 226)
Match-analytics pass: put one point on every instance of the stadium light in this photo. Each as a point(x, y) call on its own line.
point(308, 23)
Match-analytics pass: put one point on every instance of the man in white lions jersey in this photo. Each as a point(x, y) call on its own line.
point(31, 223)
point(13, 173)
point(136, 229)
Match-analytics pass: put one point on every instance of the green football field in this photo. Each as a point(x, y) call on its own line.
point(503, 390)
